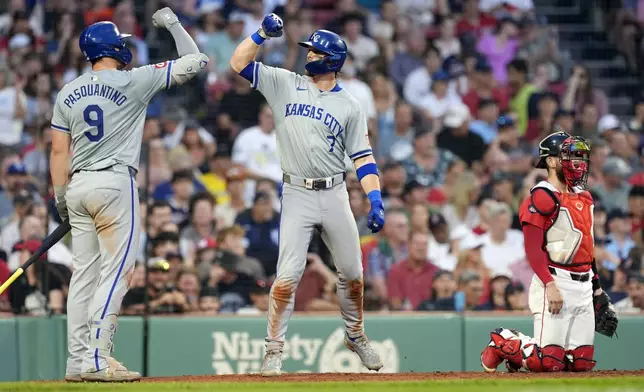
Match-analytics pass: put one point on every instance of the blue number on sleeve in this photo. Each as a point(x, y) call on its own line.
point(97, 123)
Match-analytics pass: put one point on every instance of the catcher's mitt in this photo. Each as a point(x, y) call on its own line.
point(605, 317)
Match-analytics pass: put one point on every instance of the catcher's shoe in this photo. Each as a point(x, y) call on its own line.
point(512, 367)
point(367, 354)
point(272, 365)
point(114, 372)
point(495, 352)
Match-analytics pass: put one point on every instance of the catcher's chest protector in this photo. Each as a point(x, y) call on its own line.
point(569, 238)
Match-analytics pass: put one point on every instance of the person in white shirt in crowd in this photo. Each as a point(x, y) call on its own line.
point(254, 17)
point(419, 81)
point(13, 103)
point(634, 303)
point(256, 150)
point(359, 89)
point(361, 47)
point(175, 122)
point(499, 6)
point(502, 246)
point(445, 244)
point(447, 42)
point(435, 104)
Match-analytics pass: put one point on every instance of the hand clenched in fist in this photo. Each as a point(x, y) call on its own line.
point(272, 26)
point(164, 18)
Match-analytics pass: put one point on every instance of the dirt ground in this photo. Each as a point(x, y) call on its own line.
point(348, 377)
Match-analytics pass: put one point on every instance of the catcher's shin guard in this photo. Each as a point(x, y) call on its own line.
point(551, 358)
point(504, 345)
point(581, 359)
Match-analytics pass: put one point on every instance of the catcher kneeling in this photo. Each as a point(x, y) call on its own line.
point(566, 300)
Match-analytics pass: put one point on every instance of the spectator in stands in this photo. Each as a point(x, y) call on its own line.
point(502, 190)
point(165, 243)
point(409, 282)
point(160, 213)
point(613, 192)
point(619, 241)
point(315, 293)
point(419, 81)
point(226, 213)
point(233, 239)
point(470, 261)
point(261, 225)
point(215, 179)
point(523, 95)
point(502, 246)
point(209, 301)
point(36, 157)
point(222, 44)
point(485, 124)
point(471, 285)
point(395, 143)
point(13, 101)
point(622, 147)
point(162, 299)
point(482, 85)
point(587, 125)
point(346, 9)
point(287, 53)
point(497, 299)
point(564, 120)
point(179, 201)
point(428, 164)
point(515, 297)
point(504, 37)
point(542, 125)
point(361, 47)
point(435, 104)
point(608, 126)
point(255, 150)
point(196, 146)
point(259, 299)
point(10, 233)
point(473, 21)
point(636, 124)
point(410, 58)
point(159, 168)
point(634, 303)
point(581, 91)
point(447, 42)
point(457, 137)
point(201, 225)
point(358, 202)
point(392, 248)
point(443, 290)
point(382, 26)
point(619, 285)
point(441, 250)
point(16, 180)
point(239, 107)
point(459, 209)
point(188, 285)
point(234, 287)
point(636, 208)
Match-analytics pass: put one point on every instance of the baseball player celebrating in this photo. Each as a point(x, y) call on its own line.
point(317, 123)
point(566, 300)
point(101, 114)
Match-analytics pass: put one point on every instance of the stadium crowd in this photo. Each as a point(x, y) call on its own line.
point(458, 94)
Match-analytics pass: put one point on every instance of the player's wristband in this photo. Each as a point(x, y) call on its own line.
point(375, 196)
point(257, 38)
point(59, 191)
point(366, 169)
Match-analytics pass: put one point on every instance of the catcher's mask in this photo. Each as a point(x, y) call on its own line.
point(574, 156)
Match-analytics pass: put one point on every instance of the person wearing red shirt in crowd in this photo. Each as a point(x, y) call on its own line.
point(557, 226)
point(409, 282)
point(473, 21)
point(484, 86)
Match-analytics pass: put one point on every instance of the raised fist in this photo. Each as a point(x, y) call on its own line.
point(272, 26)
point(164, 18)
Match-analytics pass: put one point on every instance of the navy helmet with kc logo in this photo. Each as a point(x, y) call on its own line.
point(332, 45)
point(103, 39)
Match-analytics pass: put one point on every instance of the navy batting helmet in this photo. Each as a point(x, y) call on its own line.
point(332, 45)
point(103, 39)
point(550, 146)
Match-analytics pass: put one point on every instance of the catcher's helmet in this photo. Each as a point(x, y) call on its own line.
point(574, 156)
point(332, 45)
point(103, 39)
point(550, 147)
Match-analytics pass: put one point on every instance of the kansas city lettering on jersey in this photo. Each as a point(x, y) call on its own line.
point(307, 110)
point(95, 90)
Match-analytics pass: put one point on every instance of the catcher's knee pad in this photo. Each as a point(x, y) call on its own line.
point(581, 359)
point(550, 358)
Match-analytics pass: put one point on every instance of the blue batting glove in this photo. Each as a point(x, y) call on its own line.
point(272, 26)
point(376, 217)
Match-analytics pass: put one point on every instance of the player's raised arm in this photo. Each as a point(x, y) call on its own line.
point(244, 54)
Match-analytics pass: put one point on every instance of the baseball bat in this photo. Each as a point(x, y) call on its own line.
point(47, 243)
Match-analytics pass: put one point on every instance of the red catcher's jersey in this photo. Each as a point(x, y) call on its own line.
point(568, 239)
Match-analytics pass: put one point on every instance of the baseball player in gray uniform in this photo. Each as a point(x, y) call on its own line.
point(317, 123)
point(100, 115)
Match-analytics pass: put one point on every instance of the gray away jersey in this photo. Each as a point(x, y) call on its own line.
point(104, 112)
point(314, 129)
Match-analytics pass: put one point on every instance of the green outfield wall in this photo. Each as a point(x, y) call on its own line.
point(35, 348)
